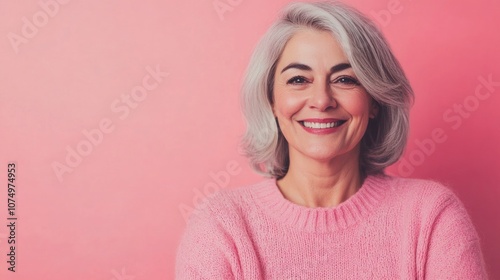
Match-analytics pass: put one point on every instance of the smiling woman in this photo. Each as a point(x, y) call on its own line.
point(322, 111)
point(327, 108)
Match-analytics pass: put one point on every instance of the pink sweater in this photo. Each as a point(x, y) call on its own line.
point(392, 228)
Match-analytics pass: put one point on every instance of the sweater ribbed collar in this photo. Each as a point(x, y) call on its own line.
point(322, 219)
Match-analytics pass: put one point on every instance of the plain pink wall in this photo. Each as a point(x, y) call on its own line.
point(155, 86)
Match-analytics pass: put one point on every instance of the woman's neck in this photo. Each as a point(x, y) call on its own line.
point(313, 183)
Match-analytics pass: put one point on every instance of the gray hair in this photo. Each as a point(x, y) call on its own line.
point(373, 63)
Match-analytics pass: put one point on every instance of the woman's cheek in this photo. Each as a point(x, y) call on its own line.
point(289, 104)
point(357, 105)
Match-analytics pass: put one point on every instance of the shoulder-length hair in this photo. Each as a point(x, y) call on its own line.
point(372, 61)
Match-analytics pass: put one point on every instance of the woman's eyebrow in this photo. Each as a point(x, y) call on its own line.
point(297, 66)
point(339, 67)
point(300, 66)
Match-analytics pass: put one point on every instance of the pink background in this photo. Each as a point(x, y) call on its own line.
point(71, 68)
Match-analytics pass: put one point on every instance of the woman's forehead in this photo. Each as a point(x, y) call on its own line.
point(313, 48)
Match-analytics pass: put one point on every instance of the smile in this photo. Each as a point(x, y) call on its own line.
point(322, 125)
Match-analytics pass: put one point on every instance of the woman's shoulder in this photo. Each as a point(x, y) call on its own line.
point(228, 202)
point(424, 194)
point(446, 235)
point(419, 187)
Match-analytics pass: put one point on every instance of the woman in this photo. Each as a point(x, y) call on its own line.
point(327, 106)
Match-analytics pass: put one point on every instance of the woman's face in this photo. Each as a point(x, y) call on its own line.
point(321, 108)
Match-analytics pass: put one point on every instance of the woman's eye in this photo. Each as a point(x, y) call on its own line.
point(298, 80)
point(346, 81)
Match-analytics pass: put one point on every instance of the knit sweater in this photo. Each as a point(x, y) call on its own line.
point(391, 228)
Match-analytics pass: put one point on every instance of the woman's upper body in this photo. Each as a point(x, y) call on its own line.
point(392, 228)
point(327, 110)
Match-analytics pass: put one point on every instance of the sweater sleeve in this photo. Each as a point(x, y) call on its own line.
point(205, 250)
point(454, 249)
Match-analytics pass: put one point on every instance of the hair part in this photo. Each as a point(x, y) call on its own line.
point(371, 60)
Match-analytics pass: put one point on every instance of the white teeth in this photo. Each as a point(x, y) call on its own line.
point(322, 125)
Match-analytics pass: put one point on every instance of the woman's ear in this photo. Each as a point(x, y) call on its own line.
point(374, 109)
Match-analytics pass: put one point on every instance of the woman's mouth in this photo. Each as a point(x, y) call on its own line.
point(322, 126)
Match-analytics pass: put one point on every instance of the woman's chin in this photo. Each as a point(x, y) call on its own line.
point(323, 156)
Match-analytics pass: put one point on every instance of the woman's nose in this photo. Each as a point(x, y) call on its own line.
point(322, 97)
